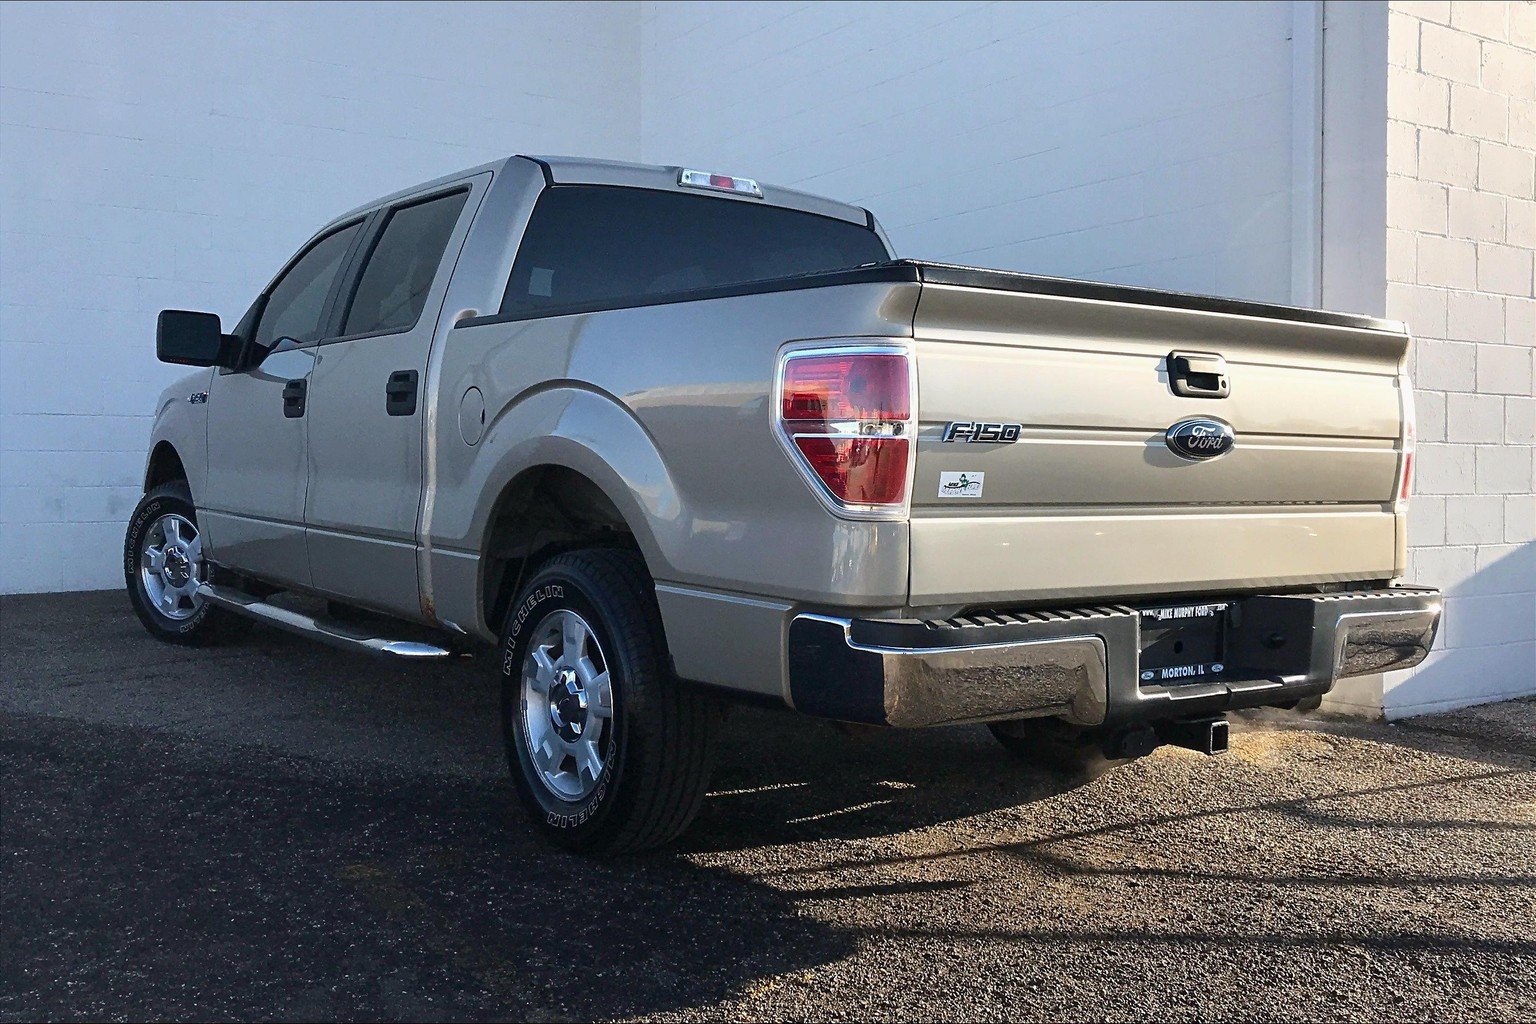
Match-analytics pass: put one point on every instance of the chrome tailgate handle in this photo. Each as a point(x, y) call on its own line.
point(1198, 375)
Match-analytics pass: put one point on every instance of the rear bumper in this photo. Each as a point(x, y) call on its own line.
point(1082, 665)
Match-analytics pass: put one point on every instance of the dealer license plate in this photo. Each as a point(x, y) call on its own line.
point(1182, 643)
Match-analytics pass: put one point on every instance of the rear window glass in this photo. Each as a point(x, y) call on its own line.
point(598, 246)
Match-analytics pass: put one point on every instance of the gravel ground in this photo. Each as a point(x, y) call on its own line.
point(277, 830)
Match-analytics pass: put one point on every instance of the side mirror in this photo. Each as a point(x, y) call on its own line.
point(193, 339)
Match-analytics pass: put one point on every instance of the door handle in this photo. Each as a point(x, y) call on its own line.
point(293, 398)
point(400, 393)
point(1198, 375)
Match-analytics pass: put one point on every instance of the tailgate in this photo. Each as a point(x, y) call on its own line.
point(1071, 490)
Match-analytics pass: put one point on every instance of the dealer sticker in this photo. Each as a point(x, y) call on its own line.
point(1184, 611)
point(960, 485)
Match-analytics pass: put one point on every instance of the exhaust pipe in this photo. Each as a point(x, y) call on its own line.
point(1207, 735)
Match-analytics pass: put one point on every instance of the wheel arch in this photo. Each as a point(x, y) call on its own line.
point(544, 510)
point(569, 460)
point(164, 466)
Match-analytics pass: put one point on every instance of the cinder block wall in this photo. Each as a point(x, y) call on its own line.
point(1461, 242)
point(174, 155)
point(1139, 143)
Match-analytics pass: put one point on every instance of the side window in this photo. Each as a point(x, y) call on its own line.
point(297, 302)
point(393, 289)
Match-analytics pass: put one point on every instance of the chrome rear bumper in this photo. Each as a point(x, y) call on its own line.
point(1082, 665)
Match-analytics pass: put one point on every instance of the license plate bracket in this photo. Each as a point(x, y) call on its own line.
point(1183, 644)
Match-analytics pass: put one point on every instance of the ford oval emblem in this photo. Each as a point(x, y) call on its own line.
point(1199, 438)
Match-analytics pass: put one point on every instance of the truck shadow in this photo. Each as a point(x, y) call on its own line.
point(198, 884)
point(784, 779)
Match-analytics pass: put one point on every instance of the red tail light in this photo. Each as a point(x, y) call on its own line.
point(825, 389)
point(1410, 430)
point(858, 470)
point(846, 416)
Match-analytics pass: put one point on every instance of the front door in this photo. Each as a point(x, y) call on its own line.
point(252, 513)
point(369, 403)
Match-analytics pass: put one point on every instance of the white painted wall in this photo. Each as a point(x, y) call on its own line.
point(173, 155)
point(164, 155)
point(1145, 143)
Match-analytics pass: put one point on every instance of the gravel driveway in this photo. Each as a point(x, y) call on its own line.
point(277, 830)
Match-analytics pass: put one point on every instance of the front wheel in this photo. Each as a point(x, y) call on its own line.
point(163, 567)
point(610, 752)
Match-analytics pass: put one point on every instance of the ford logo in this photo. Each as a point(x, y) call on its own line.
point(1200, 438)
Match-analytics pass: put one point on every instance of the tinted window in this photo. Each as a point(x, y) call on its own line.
point(297, 301)
point(393, 289)
point(589, 246)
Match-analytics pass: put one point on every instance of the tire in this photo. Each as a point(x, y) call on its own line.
point(187, 619)
point(1055, 745)
point(634, 775)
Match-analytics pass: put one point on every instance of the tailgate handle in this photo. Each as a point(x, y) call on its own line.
point(1198, 375)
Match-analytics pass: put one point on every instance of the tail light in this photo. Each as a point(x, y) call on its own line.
point(846, 417)
point(1405, 466)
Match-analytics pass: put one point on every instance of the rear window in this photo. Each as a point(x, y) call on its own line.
point(600, 247)
point(393, 289)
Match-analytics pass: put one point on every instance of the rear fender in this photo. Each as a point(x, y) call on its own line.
point(566, 425)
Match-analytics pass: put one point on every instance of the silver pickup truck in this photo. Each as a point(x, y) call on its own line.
point(665, 436)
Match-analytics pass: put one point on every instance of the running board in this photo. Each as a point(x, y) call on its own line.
point(327, 631)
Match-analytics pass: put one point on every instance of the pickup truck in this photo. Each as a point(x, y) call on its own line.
point(662, 436)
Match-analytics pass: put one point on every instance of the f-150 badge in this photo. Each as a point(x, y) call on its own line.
point(1200, 438)
point(974, 431)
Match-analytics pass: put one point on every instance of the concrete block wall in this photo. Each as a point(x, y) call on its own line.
point(1461, 254)
point(174, 155)
point(1144, 143)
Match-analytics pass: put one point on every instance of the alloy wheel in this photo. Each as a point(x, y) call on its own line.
point(567, 706)
point(171, 567)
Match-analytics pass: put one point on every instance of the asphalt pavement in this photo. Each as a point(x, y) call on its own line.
point(277, 830)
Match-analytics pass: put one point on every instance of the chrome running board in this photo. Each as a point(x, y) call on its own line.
point(328, 631)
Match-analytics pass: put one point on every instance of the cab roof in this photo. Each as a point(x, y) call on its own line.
point(573, 170)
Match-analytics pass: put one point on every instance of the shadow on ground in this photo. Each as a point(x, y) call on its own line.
point(277, 830)
point(153, 879)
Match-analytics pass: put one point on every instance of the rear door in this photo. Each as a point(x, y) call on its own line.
point(1059, 481)
point(253, 508)
point(369, 402)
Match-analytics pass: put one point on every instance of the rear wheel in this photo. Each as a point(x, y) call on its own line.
point(163, 566)
point(610, 752)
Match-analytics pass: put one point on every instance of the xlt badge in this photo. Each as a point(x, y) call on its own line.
point(972, 431)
